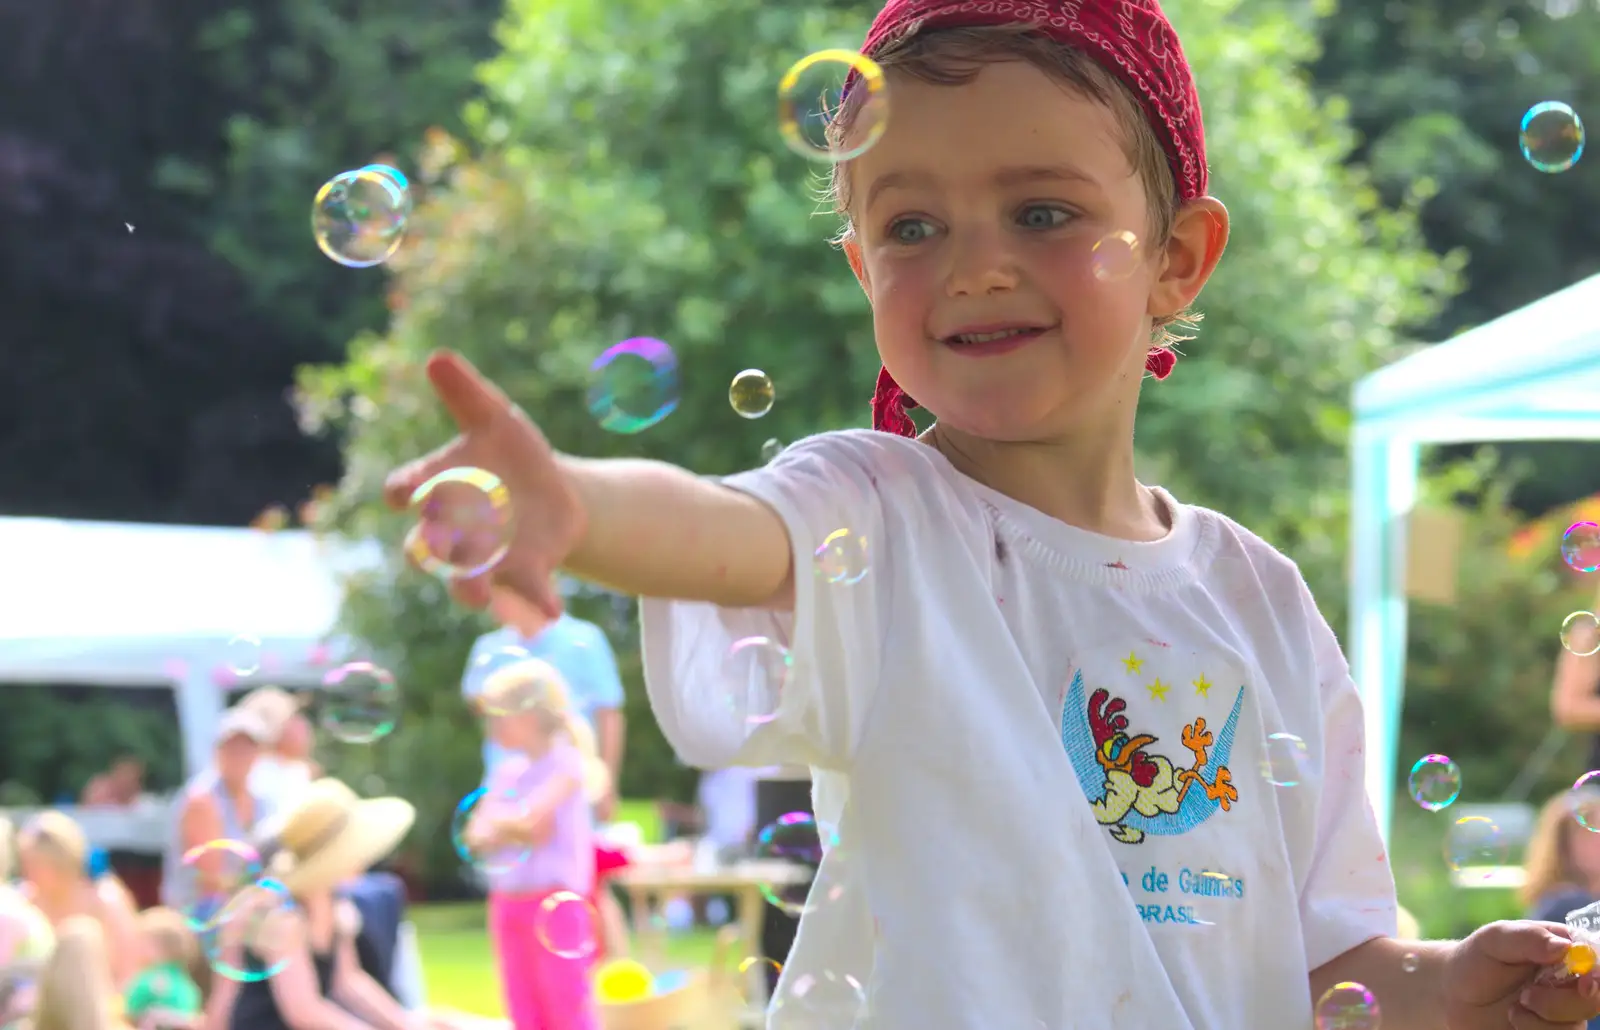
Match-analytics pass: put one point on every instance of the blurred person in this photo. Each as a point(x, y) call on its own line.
point(216, 804)
point(75, 985)
point(164, 993)
point(727, 798)
point(117, 787)
point(62, 881)
point(535, 828)
point(579, 651)
point(329, 837)
point(1562, 860)
point(285, 767)
point(26, 939)
point(1575, 691)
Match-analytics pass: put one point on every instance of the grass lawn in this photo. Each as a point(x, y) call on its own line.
point(458, 965)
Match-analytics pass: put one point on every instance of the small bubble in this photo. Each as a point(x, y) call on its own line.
point(233, 865)
point(1580, 633)
point(757, 671)
point(826, 93)
point(1583, 801)
point(842, 557)
point(1474, 842)
point(1435, 782)
point(1347, 1006)
point(1115, 256)
point(1551, 136)
point(1409, 962)
point(567, 925)
point(1285, 760)
point(242, 654)
point(633, 385)
point(358, 218)
point(474, 833)
point(463, 523)
point(1580, 546)
point(359, 703)
point(771, 449)
point(751, 393)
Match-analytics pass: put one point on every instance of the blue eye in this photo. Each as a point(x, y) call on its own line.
point(1043, 216)
point(910, 230)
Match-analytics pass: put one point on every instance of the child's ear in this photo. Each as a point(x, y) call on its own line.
point(1199, 236)
point(852, 253)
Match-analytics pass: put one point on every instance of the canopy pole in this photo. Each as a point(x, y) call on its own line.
point(1383, 492)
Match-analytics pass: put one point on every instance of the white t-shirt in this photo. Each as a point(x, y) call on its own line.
point(1003, 717)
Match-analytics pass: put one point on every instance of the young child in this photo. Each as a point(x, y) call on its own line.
point(1034, 723)
point(534, 829)
point(164, 994)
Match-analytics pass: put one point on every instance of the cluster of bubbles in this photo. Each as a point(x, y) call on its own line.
point(241, 912)
point(356, 702)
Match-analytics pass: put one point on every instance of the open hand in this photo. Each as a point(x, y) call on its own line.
point(1488, 980)
point(547, 516)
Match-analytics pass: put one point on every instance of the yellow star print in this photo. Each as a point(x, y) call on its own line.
point(1132, 662)
point(1158, 690)
point(1202, 685)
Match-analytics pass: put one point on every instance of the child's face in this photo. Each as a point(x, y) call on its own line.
point(515, 731)
point(979, 210)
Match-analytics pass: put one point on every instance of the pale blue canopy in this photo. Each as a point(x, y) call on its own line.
point(1531, 375)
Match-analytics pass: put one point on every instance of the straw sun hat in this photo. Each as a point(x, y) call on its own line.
point(330, 835)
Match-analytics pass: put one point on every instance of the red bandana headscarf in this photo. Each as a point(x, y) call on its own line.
point(1132, 40)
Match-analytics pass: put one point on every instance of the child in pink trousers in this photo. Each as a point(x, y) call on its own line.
point(533, 827)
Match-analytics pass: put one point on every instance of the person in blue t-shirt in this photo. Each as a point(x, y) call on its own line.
point(580, 651)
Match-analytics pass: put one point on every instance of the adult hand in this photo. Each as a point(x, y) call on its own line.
point(548, 518)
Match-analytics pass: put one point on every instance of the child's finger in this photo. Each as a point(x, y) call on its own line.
point(473, 401)
point(1560, 1005)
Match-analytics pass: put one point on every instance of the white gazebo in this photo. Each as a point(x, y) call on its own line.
point(1531, 375)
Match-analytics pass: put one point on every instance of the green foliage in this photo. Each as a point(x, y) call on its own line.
point(630, 181)
point(53, 740)
point(323, 87)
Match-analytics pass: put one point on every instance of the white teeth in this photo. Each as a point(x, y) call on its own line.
point(986, 337)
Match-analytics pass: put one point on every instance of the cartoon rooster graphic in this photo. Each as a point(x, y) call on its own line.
point(1140, 791)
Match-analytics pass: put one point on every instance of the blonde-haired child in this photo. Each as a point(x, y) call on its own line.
point(164, 993)
point(534, 831)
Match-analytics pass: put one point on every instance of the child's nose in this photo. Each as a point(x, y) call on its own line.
point(981, 263)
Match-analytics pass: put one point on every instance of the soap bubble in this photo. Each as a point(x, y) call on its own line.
point(567, 925)
point(1580, 546)
point(260, 917)
point(471, 831)
point(757, 970)
point(1347, 1006)
point(242, 654)
point(812, 95)
point(1285, 760)
point(1409, 962)
point(228, 864)
point(771, 449)
point(1580, 633)
point(756, 670)
point(359, 217)
point(1435, 782)
point(1472, 842)
point(359, 703)
point(1114, 256)
point(633, 385)
point(751, 393)
point(1551, 136)
point(464, 523)
point(827, 998)
point(842, 557)
point(1583, 801)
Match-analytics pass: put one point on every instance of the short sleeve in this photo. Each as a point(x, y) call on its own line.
point(721, 705)
point(1348, 897)
point(602, 684)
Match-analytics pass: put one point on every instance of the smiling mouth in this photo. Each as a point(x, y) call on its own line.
point(998, 336)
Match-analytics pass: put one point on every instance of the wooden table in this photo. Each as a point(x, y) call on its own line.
point(646, 885)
